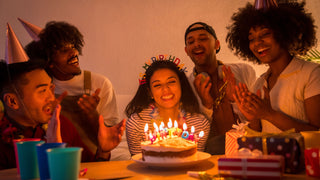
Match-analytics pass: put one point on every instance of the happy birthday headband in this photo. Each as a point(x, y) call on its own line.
point(161, 57)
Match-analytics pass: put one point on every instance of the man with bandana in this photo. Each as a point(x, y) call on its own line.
point(214, 82)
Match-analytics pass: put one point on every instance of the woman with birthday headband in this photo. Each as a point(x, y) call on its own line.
point(164, 93)
point(288, 94)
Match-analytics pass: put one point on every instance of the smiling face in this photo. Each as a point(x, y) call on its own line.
point(37, 98)
point(201, 47)
point(165, 89)
point(264, 46)
point(65, 62)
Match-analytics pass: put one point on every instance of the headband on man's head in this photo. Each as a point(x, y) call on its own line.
point(161, 57)
point(205, 26)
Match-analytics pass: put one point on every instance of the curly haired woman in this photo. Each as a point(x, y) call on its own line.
point(288, 93)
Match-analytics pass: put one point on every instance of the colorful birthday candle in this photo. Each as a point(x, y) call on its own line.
point(175, 129)
point(191, 134)
point(156, 131)
point(201, 134)
point(185, 133)
point(170, 128)
point(152, 137)
point(178, 130)
point(146, 131)
point(162, 132)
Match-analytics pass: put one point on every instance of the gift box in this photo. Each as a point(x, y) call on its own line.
point(290, 146)
point(312, 161)
point(251, 167)
point(231, 144)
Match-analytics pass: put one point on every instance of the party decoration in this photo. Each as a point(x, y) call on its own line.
point(161, 57)
point(14, 50)
point(312, 161)
point(265, 4)
point(248, 164)
point(161, 133)
point(33, 30)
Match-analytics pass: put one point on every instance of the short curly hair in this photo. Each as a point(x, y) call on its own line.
point(57, 34)
point(293, 28)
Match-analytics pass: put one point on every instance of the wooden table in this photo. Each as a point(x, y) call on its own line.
point(132, 170)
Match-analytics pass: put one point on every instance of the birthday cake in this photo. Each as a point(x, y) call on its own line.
point(175, 149)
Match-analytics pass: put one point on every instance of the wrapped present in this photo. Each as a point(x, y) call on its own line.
point(312, 161)
point(288, 144)
point(251, 166)
point(231, 144)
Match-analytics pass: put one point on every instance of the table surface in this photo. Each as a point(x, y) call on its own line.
point(133, 170)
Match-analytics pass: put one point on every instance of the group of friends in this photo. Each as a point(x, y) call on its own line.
point(51, 98)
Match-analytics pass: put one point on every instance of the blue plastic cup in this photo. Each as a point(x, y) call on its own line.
point(43, 158)
point(27, 156)
point(64, 163)
point(16, 150)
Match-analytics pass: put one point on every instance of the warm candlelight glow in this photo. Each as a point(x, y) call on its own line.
point(162, 124)
point(146, 128)
point(192, 129)
point(161, 127)
point(175, 124)
point(201, 134)
point(185, 133)
point(170, 123)
point(156, 129)
point(185, 126)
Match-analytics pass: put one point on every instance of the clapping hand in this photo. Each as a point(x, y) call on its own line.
point(251, 105)
point(53, 133)
point(89, 105)
point(110, 137)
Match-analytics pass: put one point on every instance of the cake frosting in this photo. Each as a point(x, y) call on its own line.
point(175, 149)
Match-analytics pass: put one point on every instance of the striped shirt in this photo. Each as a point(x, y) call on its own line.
point(135, 128)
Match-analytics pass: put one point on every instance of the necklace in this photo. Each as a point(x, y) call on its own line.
point(221, 95)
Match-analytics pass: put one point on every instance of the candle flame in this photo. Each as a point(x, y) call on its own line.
point(150, 135)
point(169, 123)
point(185, 126)
point(175, 124)
point(201, 134)
point(162, 124)
point(155, 127)
point(192, 129)
point(146, 128)
point(161, 127)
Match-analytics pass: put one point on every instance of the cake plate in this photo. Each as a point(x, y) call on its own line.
point(202, 156)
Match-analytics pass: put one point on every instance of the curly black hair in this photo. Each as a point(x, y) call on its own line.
point(142, 99)
point(292, 26)
point(57, 34)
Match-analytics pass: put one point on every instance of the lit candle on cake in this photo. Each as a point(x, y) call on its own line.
point(185, 133)
point(175, 129)
point(156, 131)
point(191, 134)
point(152, 137)
point(146, 131)
point(201, 134)
point(178, 130)
point(162, 132)
point(169, 128)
